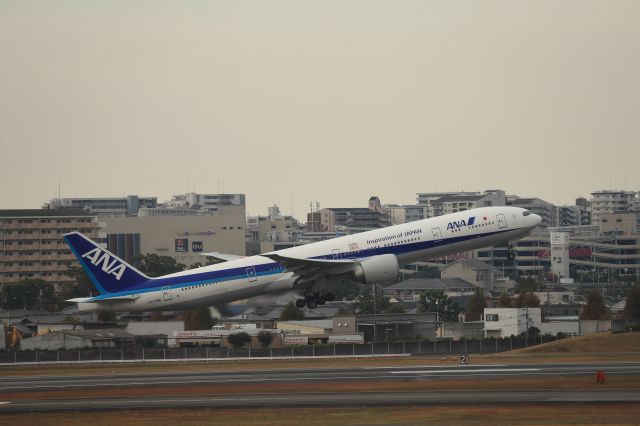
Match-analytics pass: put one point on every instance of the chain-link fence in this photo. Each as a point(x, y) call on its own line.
point(418, 348)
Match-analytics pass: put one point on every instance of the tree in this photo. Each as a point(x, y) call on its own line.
point(525, 285)
point(632, 306)
point(505, 301)
point(595, 309)
point(291, 313)
point(365, 303)
point(533, 331)
point(476, 307)
point(395, 308)
point(157, 316)
point(106, 316)
point(197, 319)
point(527, 300)
point(438, 302)
point(29, 294)
point(82, 287)
point(265, 338)
point(344, 289)
point(344, 311)
point(155, 265)
point(238, 340)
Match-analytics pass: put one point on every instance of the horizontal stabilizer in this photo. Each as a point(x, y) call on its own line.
point(104, 299)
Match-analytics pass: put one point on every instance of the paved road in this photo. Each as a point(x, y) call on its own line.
point(177, 380)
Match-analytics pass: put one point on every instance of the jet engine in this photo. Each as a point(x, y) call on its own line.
point(377, 269)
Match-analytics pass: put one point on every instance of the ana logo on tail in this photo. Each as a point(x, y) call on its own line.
point(98, 258)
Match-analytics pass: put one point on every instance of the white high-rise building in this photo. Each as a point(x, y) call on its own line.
point(206, 202)
point(616, 201)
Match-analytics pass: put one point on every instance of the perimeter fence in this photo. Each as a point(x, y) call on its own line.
point(414, 348)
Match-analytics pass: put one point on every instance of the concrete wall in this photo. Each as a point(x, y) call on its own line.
point(593, 326)
point(145, 328)
point(554, 327)
point(54, 342)
point(459, 330)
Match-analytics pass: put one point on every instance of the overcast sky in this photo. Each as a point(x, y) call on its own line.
point(334, 101)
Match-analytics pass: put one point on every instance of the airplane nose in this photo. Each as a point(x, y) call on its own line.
point(535, 220)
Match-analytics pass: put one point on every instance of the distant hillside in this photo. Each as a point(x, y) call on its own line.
point(595, 343)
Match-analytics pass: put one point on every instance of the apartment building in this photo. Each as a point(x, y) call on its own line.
point(453, 202)
point(206, 202)
point(406, 213)
point(32, 247)
point(115, 206)
point(358, 218)
point(617, 201)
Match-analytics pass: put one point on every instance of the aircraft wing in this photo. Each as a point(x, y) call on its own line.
point(221, 256)
point(308, 268)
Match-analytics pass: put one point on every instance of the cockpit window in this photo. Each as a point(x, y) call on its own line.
point(526, 213)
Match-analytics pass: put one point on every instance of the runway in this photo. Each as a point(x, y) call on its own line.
point(174, 381)
point(456, 398)
point(208, 377)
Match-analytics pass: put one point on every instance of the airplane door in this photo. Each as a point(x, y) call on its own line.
point(502, 221)
point(166, 293)
point(251, 275)
point(336, 254)
point(437, 235)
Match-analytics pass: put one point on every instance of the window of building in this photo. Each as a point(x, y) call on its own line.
point(491, 317)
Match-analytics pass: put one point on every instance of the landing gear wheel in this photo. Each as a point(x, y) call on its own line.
point(329, 297)
point(511, 255)
point(321, 300)
point(301, 303)
point(312, 304)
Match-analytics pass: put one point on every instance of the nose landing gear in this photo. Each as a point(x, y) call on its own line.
point(511, 254)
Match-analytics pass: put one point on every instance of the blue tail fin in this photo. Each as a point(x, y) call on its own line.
point(109, 273)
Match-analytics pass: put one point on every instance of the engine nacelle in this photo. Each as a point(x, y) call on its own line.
point(377, 269)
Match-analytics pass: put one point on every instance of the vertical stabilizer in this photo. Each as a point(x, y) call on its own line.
point(108, 272)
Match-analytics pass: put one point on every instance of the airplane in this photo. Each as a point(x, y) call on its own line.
point(370, 257)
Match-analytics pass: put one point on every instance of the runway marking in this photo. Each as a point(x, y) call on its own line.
point(429, 366)
point(467, 370)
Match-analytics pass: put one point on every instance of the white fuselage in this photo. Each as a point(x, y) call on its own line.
point(252, 276)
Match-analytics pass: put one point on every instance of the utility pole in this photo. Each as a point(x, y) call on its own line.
point(374, 299)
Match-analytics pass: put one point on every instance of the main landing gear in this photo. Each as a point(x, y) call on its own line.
point(312, 300)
